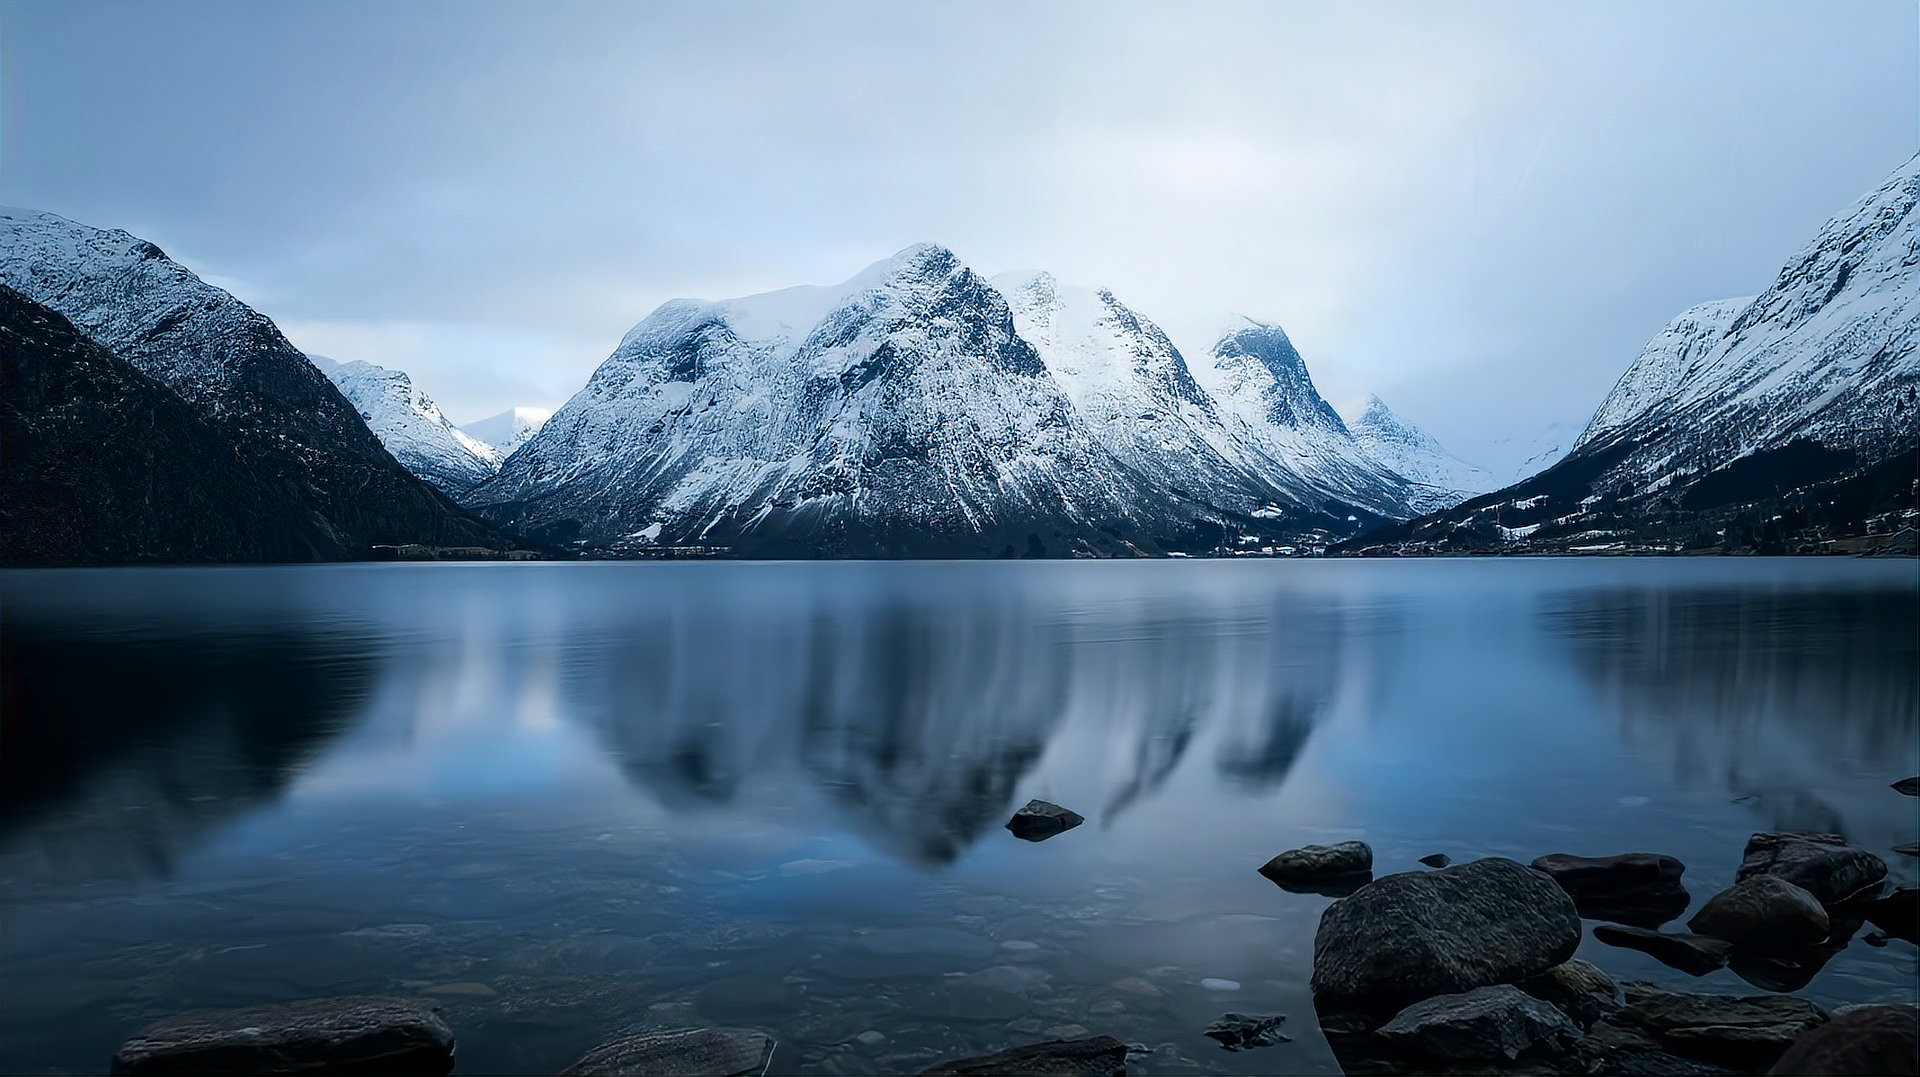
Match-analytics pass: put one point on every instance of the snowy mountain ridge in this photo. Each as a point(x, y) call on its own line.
point(410, 425)
point(509, 429)
point(1416, 455)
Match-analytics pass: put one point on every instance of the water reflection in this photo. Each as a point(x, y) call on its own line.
point(121, 753)
point(1777, 696)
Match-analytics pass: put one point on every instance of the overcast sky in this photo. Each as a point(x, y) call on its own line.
point(1479, 211)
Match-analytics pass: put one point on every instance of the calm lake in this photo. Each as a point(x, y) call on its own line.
point(572, 800)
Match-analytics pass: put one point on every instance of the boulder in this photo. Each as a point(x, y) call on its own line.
point(1094, 1056)
point(1742, 1032)
point(1642, 889)
point(1576, 988)
point(1614, 1048)
point(1334, 870)
point(1497, 1022)
point(1763, 912)
point(351, 1034)
point(1867, 1039)
point(1823, 865)
point(731, 1052)
point(1240, 1032)
point(1695, 955)
point(1040, 820)
point(1414, 935)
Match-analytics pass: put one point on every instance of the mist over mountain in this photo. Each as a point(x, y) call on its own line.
point(1784, 423)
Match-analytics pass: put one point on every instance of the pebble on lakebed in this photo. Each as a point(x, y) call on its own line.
point(1041, 820)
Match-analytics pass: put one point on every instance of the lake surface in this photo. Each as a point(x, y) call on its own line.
point(572, 800)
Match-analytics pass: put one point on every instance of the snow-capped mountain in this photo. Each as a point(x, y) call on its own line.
point(1780, 423)
point(1413, 453)
point(409, 424)
point(236, 369)
point(508, 430)
point(899, 414)
point(1286, 431)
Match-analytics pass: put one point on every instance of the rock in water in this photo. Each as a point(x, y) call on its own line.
point(1335, 870)
point(1823, 865)
point(1747, 1033)
point(1871, 1039)
point(1240, 1032)
point(1642, 889)
point(1095, 1056)
point(1898, 914)
point(1576, 988)
point(733, 1052)
point(1040, 820)
point(350, 1034)
point(1436, 860)
point(1695, 955)
point(1909, 786)
point(1763, 912)
point(1414, 935)
point(1486, 1023)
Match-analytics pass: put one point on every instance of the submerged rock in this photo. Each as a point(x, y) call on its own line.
point(1241, 1032)
point(1642, 889)
point(1763, 912)
point(1332, 870)
point(1897, 914)
point(1095, 1056)
point(1414, 935)
point(1576, 988)
point(1041, 820)
point(1695, 955)
point(1485, 1023)
point(724, 1052)
point(1743, 1032)
point(1824, 865)
point(1866, 1040)
point(350, 1034)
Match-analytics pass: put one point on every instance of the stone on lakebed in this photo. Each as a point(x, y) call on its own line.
point(724, 1052)
point(1095, 1056)
point(1497, 1022)
point(1695, 955)
point(347, 1034)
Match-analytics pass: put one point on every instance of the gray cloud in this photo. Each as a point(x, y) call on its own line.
point(1480, 211)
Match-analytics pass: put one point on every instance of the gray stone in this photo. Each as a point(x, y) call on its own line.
point(1241, 1032)
point(1312, 863)
point(1576, 988)
point(1823, 865)
point(715, 1051)
point(1414, 935)
point(1095, 1056)
point(1695, 955)
point(1040, 820)
point(1486, 1023)
point(1865, 1040)
point(355, 1033)
point(1763, 912)
point(1743, 1032)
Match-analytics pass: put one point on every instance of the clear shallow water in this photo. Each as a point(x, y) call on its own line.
point(572, 800)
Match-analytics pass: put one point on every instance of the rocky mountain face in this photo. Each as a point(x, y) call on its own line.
point(234, 369)
point(508, 430)
point(910, 412)
point(104, 465)
point(1414, 454)
point(410, 425)
point(1786, 423)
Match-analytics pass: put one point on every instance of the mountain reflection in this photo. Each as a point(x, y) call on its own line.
point(120, 753)
point(1773, 695)
point(917, 715)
